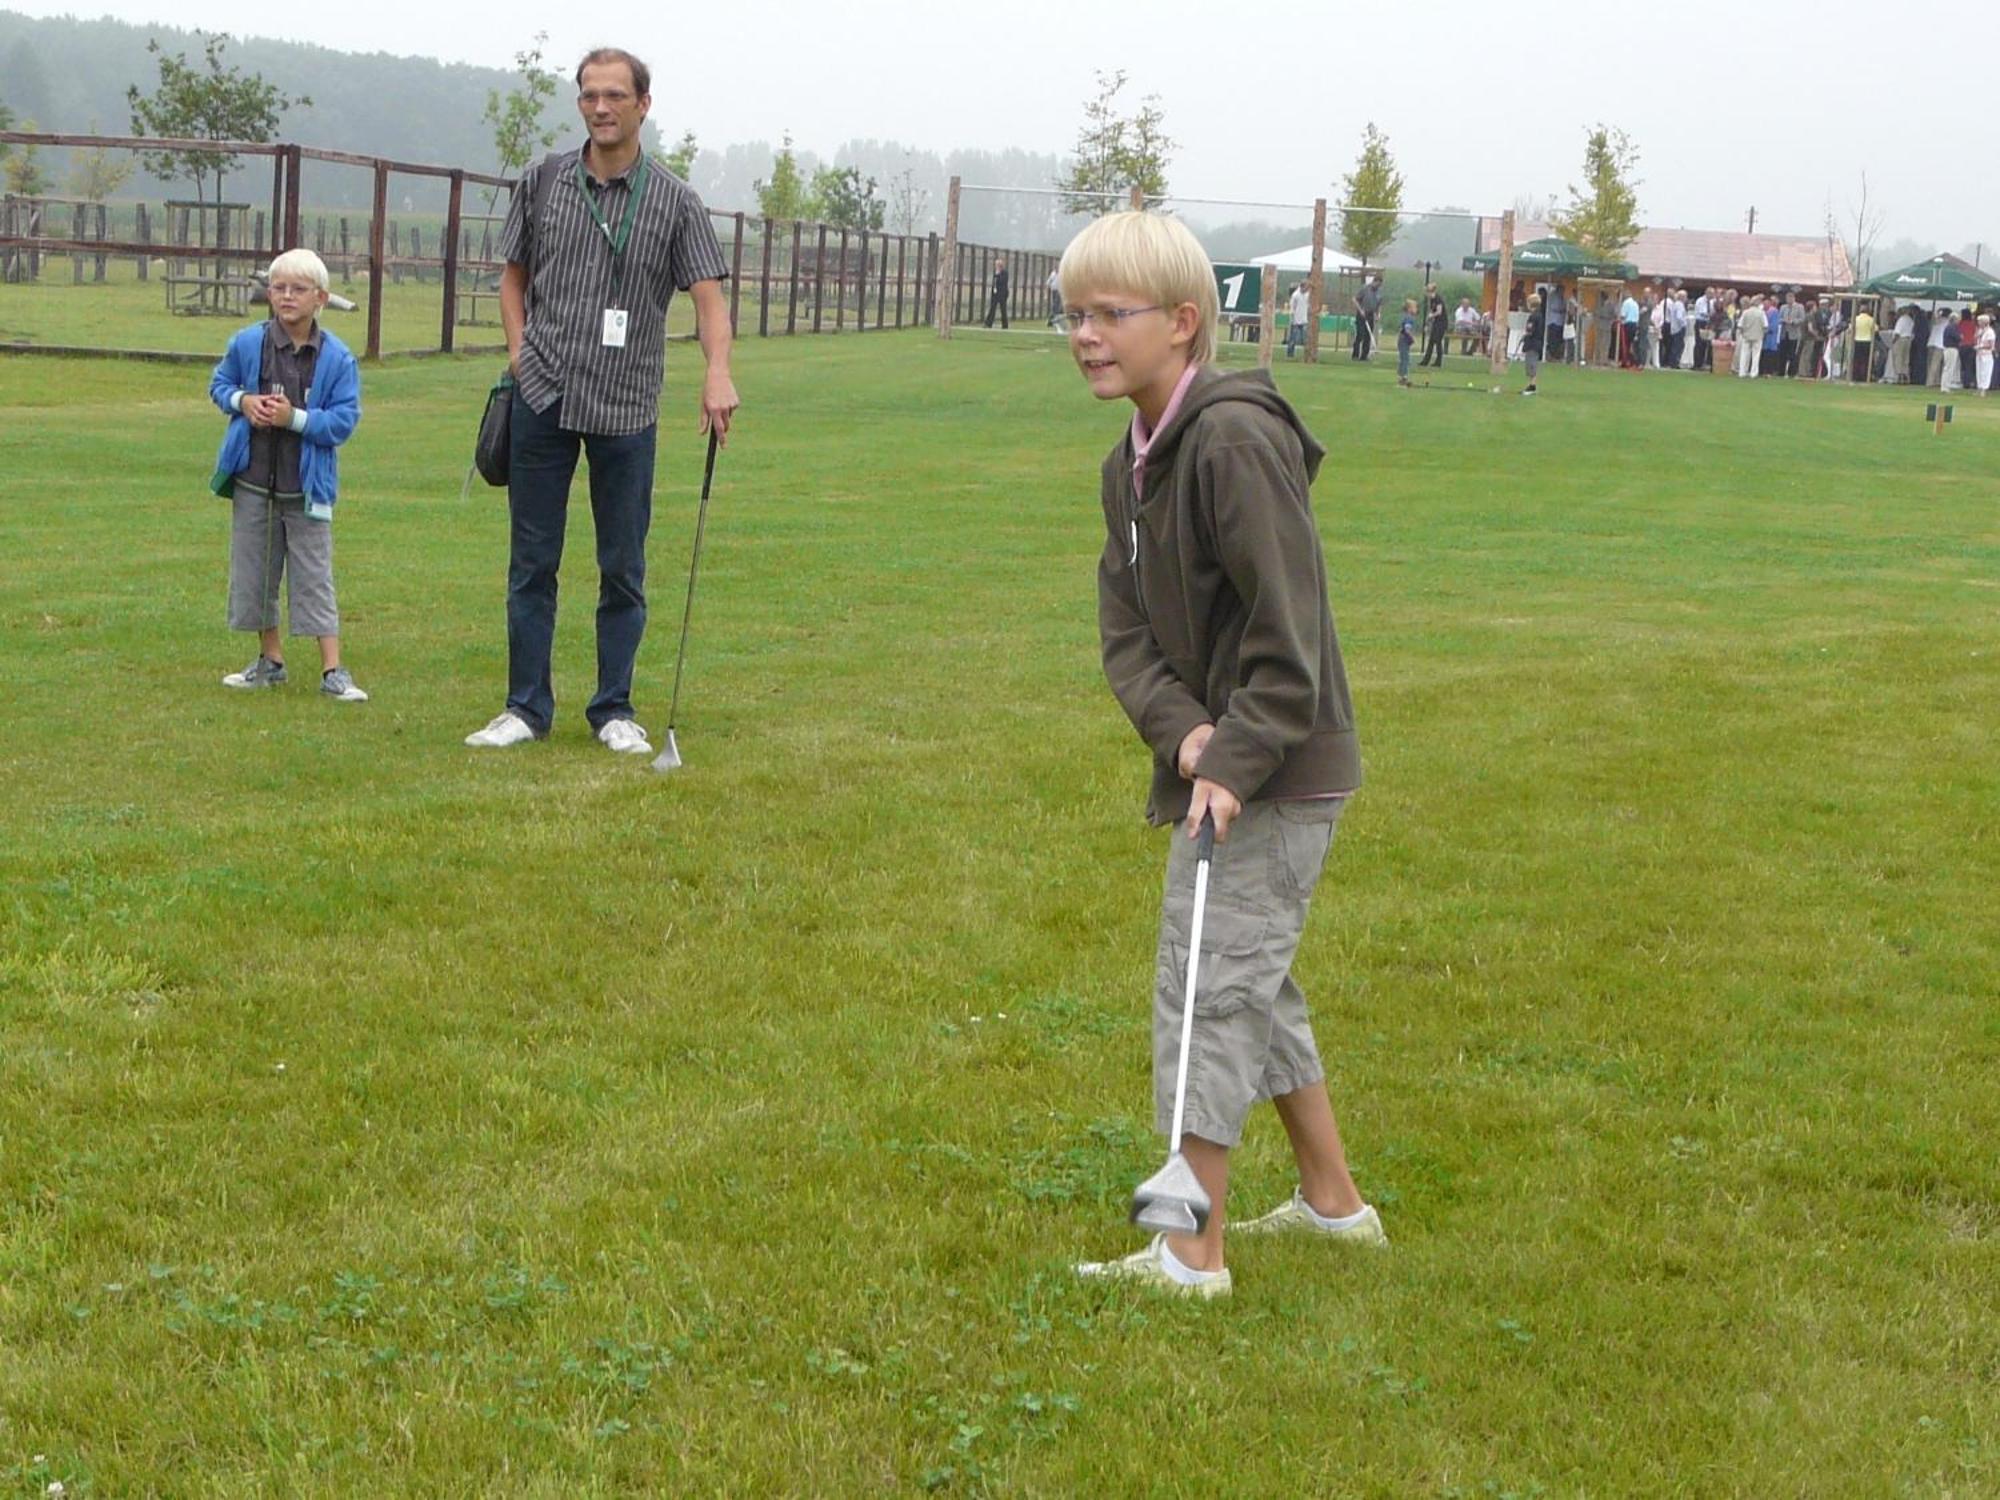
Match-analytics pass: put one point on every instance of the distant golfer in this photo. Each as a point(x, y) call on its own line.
point(292, 393)
point(594, 253)
point(997, 302)
point(1219, 645)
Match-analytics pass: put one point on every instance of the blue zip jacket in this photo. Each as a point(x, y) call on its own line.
point(333, 407)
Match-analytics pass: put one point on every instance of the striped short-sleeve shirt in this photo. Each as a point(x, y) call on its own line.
point(564, 359)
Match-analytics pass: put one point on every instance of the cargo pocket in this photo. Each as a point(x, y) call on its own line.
point(1226, 979)
point(1304, 835)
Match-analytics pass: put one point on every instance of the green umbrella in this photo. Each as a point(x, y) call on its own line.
point(1942, 278)
point(1557, 257)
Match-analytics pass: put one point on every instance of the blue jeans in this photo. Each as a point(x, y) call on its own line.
point(1402, 359)
point(542, 459)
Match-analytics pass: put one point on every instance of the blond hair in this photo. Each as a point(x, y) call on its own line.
point(1147, 255)
point(301, 263)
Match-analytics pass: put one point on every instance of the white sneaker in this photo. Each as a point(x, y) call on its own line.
point(1294, 1217)
point(625, 737)
point(1147, 1269)
point(507, 729)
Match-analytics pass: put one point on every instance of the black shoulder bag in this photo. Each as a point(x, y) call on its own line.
point(496, 423)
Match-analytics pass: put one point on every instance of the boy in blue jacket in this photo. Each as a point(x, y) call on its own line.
point(292, 393)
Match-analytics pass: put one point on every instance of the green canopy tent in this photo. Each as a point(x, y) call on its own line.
point(1942, 278)
point(1556, 258)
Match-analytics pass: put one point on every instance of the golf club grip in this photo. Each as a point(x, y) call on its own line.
point(1204, 846)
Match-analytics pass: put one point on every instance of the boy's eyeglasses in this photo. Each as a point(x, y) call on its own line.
point(1105, 317)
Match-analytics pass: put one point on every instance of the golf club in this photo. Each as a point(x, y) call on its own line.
point(1172, 1200)
point(669, 758)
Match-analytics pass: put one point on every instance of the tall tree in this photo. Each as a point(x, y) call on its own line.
point(1369, 195)
point(1115, 153)
point(907, 201)
point(517, 116)
point(1603, 212)
point(785, 195)
point(842, 197)
point(211, 103)
point(680, 160)
point(22, 169)
point(96, 174)
point(1864, 226)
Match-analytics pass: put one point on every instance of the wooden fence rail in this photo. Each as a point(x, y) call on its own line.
point(801, 276)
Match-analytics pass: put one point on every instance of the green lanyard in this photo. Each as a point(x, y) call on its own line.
point(616, 240)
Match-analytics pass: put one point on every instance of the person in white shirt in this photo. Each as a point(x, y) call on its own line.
point(1299, 314)
point(1055, 300)
point(1984, 342)
point(1465, 322)
point(1934, 362)
point(1750, 325)
point(1899, 352)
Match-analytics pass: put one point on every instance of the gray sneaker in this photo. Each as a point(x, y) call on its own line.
point(338, 683)
point(263, 672)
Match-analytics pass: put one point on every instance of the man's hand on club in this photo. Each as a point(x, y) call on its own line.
point(1215, 799)
point(1191, 748)
point(718, 404)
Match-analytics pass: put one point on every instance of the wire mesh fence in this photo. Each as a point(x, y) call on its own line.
point(145, 275)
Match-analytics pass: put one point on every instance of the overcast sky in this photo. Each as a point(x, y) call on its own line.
point(1481, 102)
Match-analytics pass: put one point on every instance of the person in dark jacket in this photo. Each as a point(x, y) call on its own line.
point(1219, 644)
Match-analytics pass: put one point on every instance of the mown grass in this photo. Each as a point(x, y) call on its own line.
point(381, 1116)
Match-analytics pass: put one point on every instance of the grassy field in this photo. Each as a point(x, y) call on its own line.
point(385, 1118)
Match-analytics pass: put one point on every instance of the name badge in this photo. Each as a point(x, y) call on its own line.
point(614, 327)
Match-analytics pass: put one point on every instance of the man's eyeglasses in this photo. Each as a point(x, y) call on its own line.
point(591, 98)
point(1104, 317)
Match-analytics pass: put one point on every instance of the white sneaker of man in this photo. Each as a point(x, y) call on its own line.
point(507, 729)
point(625, 737)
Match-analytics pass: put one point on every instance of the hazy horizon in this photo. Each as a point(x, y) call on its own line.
point(1480, 109)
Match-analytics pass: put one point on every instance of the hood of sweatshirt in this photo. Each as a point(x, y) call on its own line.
point(1212, 387)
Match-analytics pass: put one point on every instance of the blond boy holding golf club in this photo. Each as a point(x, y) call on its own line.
point(1220, 646)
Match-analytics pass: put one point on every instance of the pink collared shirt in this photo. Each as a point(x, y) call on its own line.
point(1142, 435)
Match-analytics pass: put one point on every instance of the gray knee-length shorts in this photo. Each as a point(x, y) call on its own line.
point(269, 538)
point(1252, 1037)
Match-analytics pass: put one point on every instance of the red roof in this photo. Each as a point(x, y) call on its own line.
point(1718, 257)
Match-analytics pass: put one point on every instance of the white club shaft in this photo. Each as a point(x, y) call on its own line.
point(1187, 1003)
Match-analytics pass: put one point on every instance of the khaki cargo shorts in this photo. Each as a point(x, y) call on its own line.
point(1252, 1038)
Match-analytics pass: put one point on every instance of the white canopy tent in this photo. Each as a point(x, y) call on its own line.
point(1300, 261)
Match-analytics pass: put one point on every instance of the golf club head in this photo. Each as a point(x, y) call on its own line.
point(669, 759)
point(1172, 1200)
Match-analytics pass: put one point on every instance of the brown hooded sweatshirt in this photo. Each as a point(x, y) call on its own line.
point(1211, 601)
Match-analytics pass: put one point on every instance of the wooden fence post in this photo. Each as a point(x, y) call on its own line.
point(764, 286)
point(946, 295)
point(819, 277)
point(294, 164)
point(902, 260)
point(1318, 284)
point(454, 206)
point(1497, 351)
point(277, 205)
point(839, 286)
point(144, 263)
point(1138, 196)
point(1267, 317)
point(377, 226)
point(736, 275)
point(792, 299)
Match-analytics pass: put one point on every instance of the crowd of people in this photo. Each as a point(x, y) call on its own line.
point(1785, 335)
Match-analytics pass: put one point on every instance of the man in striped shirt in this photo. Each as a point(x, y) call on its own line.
point(596, 243)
